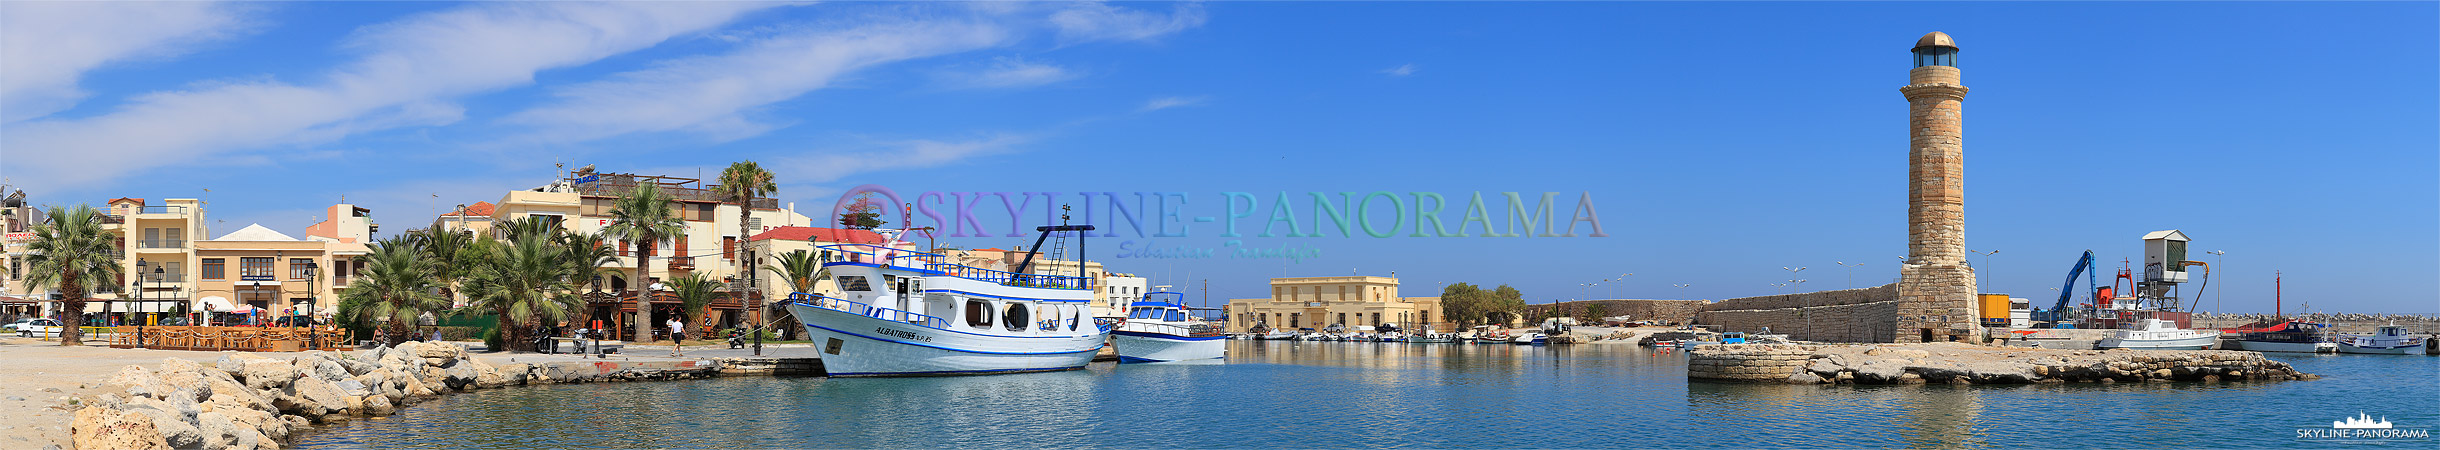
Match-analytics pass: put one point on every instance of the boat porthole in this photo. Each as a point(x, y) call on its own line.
point(832, 347)
point(1014, 319)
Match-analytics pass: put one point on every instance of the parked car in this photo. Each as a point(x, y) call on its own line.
point(35, 328)
point(12, 327)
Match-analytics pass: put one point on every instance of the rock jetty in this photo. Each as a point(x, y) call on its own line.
point(1957, 363)
point(247, 401)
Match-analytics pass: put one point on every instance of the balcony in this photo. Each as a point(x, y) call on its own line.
point(160, 244)
point(677, 263)
point(164, 210)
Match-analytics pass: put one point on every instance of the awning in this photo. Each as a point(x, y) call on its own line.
point(215, 304)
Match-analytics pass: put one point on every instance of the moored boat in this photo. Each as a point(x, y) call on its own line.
point(1157, 329)
point(894, 315)
point(2156, 334)
point(2292, 336)
point(2388, 340)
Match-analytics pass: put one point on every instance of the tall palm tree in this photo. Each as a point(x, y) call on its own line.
point(445, 251)
point(71, 254)
point(741, 183)
point(395, 289)
point(644, 216)
point(800, 269)
point(523, 284)
point(586, 257)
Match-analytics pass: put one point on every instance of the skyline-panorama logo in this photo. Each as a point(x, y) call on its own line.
point(2362, 427)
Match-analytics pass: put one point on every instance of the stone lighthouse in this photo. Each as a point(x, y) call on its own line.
point(1935, 287)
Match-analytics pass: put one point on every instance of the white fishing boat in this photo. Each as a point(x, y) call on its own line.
point(1279, 335)
point(2156, 334)
point(1157, 329)
point(2388, 340)
point(1530, 338)
point(909, 313)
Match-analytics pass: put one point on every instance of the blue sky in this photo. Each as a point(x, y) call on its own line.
point(1720, 141)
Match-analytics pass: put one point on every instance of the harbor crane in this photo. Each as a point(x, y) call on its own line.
point(2057, 316)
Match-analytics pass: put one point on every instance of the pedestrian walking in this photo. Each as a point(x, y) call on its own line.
point(677, 336)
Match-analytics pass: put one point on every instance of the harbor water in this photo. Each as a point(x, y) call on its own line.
point(1284, 394)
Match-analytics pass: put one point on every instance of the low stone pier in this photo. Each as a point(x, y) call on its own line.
point(1957, 363)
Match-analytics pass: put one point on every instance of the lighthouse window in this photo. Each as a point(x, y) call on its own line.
point(1015, 318)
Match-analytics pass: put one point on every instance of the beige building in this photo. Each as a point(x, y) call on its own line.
point(168, 268)
point(581, 203)
point(1351, 301)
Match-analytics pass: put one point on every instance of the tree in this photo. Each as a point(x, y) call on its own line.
point(1595, 313)
point(523, 284)
point(863, 214)
point(741, 183)
point(526, 228)
point(644, 216)
point(444, 251)
point(1463, 304)
point(694, 297)
point(395, 289)
point(71, 254)
point(800, 269)
point(586, 255)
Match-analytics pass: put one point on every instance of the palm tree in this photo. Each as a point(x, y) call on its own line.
point(523, 284)
point(445, 251)
point(644, 216)
point(586, 255)
point(395, 289)
point(800, 269)
point(525, 228)
point(71, 254)
point(741, 183)
point(694, 294)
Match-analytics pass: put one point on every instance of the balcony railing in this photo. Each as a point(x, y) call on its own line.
point(161, 243)
point(682, 263)
point(160, 209)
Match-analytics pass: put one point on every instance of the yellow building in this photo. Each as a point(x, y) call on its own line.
point(1350, 301)
point(168, 268)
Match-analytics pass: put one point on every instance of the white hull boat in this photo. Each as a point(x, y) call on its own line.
point(2388, 340)
point(2156, 334)
point(2288, 337)
point(2288, 347)
point(908, 313)
point(1157, 329)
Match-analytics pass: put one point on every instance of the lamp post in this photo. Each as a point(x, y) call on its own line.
point(312, 336)
point(2215, 295)
point(1682, 290)
point(1850, 272)
point(138, 288)
point(1792, 281)
point(1978, 276)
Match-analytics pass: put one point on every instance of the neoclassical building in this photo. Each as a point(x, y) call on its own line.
point(1319, 302)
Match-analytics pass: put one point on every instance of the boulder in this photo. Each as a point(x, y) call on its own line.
point(296, 423)
point(267, 373)
point(378, 405)
point(218, 431)
point(228, 392)
point(440, 354)
point(1804, 377)
point(356, 366)
point(104, 428)
point(137, 381)
point(177, 365)
point(516, 374)
point(318, 397)
point(193, 384)
point(170, 426)
point(352, 388)
point(417, 388)
point(330, 370)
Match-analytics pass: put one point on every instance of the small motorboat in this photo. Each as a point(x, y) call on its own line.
point(1530, 338)
point(2156, 334)
point(2292, 336)
point(2388, 340)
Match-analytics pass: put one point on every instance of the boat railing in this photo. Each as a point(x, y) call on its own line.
point(875, 254)
point(1190, 330)
point(851, 307)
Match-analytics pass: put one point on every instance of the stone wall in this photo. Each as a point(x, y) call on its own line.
point(1847, 315)
point(1880, 293)
point(1674, 311)
point(1865, 322)
point(1747, 362)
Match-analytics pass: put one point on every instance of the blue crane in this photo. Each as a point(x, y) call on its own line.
point(2057, 316)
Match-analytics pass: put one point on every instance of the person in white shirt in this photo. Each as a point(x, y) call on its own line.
point(677, 336)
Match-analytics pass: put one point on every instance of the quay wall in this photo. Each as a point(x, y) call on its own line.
point(1846, 315)
point(1967, 364)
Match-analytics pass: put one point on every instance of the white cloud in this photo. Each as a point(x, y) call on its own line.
point(1161, 103)
point(709, 93)
point(410, 70)
point(1011, 73)
point(46, 47)
point(892, 155)
point(1400, 71)
point(1096, 21)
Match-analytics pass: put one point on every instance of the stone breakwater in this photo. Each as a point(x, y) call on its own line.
point(247, 401)
point(1955, 363)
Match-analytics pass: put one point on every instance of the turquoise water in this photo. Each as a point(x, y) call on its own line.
point(1330, 395)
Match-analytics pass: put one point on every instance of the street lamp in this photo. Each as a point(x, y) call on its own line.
point(1986, 265)
point(312, 336)
point(1792, 281)
point(1850, 272)
point(1682, 290)
point(2215, 295)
